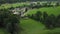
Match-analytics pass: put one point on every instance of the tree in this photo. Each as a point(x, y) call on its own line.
point(26, 9)
point(38, 3)
point(11, 8)
point(50, 21)
point(38, 15)
point(57, 4)
point(49, 4)
point(3, 15)
point(9, 19)
point(13, 25)
point(45, 18)
point(53, 20)
point(44, 4)
point(45, 15)
point(57, 24)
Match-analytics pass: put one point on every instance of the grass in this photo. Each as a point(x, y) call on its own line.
point(49, 10)
point(33, 27)
point(3, 31)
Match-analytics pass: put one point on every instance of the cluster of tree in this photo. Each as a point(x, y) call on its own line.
point(48, 4)
point(9, 21)
point(14, 1)
point(50, 21)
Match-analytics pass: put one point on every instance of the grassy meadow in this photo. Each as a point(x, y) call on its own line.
point(33, 27)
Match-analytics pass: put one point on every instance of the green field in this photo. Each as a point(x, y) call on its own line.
point(33, 27)
point(49, 10)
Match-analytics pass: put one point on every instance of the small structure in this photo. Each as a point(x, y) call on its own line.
point(19, 11)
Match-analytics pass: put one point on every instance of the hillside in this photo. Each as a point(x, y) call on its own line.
point(33, 27)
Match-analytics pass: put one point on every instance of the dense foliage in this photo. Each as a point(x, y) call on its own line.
point(50, 21)
point(14, 1)
point(9, 21)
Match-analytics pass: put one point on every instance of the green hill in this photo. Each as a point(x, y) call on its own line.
point(49, 10)
point(33, 27)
